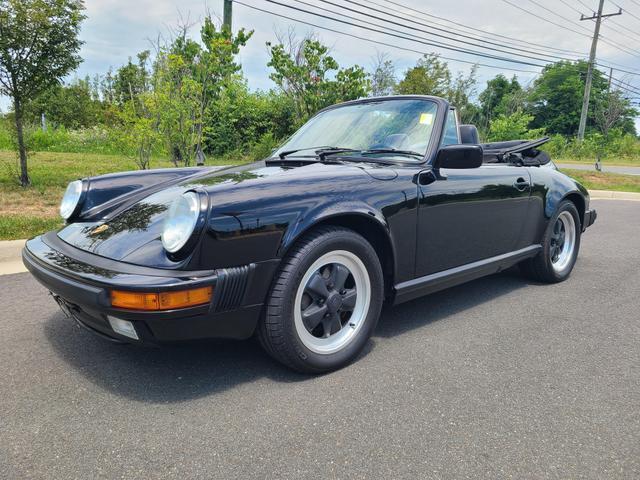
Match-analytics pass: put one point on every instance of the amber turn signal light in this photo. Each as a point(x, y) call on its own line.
point(161, 301)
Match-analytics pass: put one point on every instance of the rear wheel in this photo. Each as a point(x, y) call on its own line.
point(325, 301)
point(560, 246)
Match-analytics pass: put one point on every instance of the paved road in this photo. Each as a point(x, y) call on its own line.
point(499, 378)
point(605, 168)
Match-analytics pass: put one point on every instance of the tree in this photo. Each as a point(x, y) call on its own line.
point(73, 106)
point(304, 71)
point(556, 97)
point(188, 79)
point(501, 97)
point(137, 135)
point(460, 92)
point(611, 111)
point(430, 76)
point(512, 127)
point(131, 79)
point(39, 45)
point(383, 77)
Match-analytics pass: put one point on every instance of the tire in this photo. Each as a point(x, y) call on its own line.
point(560, 246)
point(324, 303)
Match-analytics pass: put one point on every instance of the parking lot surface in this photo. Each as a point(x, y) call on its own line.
point(498, 378)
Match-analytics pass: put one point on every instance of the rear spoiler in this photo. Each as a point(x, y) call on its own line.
point(523, 152)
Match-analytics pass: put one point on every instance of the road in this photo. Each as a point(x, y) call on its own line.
point(605, 168)
point(499, 378)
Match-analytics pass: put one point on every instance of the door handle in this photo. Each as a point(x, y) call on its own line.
point(521, 184)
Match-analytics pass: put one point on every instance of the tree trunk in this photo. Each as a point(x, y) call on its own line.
point(22, 149)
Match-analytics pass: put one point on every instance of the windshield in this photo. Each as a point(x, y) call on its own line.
point(378, 125)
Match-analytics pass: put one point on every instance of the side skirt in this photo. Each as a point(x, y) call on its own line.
point(434, 282)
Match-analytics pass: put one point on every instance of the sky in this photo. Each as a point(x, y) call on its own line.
point(117, 29)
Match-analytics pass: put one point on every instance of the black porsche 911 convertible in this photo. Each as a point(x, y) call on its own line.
point(371, 201)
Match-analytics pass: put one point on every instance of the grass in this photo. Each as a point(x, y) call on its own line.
point(613, 162)
point(26, 212)
point(605, 181)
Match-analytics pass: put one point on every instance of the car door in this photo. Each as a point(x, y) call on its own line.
point(467, 215)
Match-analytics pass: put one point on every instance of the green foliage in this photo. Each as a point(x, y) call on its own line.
point(618, 146)
point(383, 77)
point(72, 106)
point(189, 79)
point(240, 118)
point(130, 81)
point(39, 45)
point(513, 127)
point(304, 75)
point(137, 135)
point(501, 97)
point(556, 97)
point(431, 76)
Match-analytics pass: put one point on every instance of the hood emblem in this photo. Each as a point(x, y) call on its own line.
point(99, 229)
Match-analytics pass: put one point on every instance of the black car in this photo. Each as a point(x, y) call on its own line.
point(371, 201)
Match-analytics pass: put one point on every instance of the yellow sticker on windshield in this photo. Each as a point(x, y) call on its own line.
point(426, 118)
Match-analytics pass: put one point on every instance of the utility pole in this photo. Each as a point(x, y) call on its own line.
point(610, 78)
point(592, 58)
point(227, 14)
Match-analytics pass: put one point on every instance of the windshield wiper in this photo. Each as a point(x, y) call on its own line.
point(319, 149)
point(394, 151)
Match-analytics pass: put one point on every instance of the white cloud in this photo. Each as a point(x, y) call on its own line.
point(118, 29)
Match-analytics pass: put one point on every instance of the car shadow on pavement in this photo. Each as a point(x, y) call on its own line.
point(172, 373)
point(178, 373)
point(437, 306)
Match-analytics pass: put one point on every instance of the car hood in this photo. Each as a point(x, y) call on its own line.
point(132, 232)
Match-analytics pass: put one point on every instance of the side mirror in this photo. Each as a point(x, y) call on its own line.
point(459, 156)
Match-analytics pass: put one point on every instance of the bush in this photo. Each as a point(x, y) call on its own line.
point(618, 145)
point(513, 127)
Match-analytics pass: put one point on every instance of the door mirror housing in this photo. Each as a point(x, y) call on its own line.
point(459, 156)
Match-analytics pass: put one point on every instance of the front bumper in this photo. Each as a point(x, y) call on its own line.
point(81, 282)
point(589, 218)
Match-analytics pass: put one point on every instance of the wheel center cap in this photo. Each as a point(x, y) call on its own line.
point(334, 302)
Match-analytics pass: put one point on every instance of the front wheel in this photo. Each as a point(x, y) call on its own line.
point(560, 246)
point(325, 301)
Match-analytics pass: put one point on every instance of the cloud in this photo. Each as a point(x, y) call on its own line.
point(118, 29)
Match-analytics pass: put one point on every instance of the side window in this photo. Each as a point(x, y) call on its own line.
point(450, 136)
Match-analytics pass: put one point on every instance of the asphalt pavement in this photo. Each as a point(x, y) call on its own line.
point(498, 378)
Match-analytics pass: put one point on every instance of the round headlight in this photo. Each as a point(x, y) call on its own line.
point(180, 222)
point(71, 199)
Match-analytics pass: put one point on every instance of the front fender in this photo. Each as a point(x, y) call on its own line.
point(327, 213)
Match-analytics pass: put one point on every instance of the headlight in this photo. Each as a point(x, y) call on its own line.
point(71, 199)
point(181, 220)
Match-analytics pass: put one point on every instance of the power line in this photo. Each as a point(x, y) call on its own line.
point(430, 43)
point(622, 86)
point(632, 32)
point(483, 32)
point(621, 67)
point(625, 10)
point(448, 36)
point(378, 42)
point(571, 6)
point(586, 6)
point(544, 19)
point(605, 40)
point(558, 15)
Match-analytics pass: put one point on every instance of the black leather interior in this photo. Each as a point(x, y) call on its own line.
point(469, 134)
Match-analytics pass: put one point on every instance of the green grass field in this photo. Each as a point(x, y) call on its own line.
point(605, 181)
point(31, 211)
